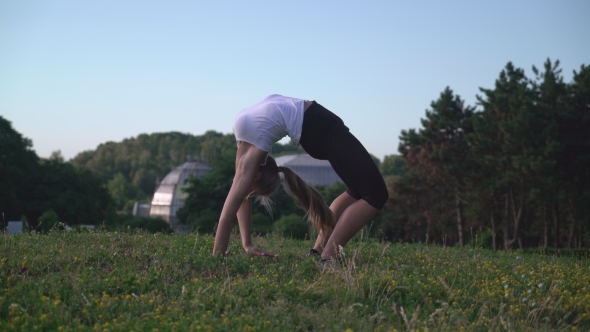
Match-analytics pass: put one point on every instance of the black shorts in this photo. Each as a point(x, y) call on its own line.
point(324, 136)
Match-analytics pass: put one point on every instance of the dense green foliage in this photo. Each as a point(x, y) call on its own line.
point(95, 281)
point(392, 165)
point(518, 167)
point(131, 167)
point(514, 168)
point(46, 192)
point(31, 186)
point(95, 184)
point(17, 162)
point(207, 195)
point(76, 195)
point(293, 226)
point(151, 225)
point(48, 221)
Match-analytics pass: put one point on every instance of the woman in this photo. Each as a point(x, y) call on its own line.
point(323, 136)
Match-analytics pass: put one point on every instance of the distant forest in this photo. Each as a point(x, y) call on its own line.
point(131, 168)
point(511, 171)
point(515, 173)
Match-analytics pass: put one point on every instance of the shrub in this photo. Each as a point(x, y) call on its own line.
point(204, 222)
point(483, 240)
point(261, 223)
point(292, 226)
point(48, 220)
point(152, 225)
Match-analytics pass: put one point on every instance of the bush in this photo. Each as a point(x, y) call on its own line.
point(261, 223)
point(152, 225)
point(559, 252)
point(483, 240)
point(48, 220)
point(204, 222)
point(292, 226)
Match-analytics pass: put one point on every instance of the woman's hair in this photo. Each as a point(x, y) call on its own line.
point(318, 213)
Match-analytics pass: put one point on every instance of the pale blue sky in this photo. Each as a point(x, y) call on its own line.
point(74, 74)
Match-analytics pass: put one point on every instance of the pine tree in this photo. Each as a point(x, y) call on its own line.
point(502, 137)
point(439, 149)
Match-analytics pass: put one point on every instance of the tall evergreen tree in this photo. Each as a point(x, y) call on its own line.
point(575, 158)
point(503, 135)
point(547, 146)
point(439, 149)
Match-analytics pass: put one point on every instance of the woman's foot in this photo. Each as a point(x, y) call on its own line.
point(314, 253)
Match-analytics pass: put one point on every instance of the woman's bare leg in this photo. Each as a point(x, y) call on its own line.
point(354, 217)
point(337, 207)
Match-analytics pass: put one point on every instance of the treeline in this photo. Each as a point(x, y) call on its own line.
point(131, 168)
point(50, 193)
point(88, 190)
point(98, 187)
point(511, 171)
point(34, 189)
point(207, 195)
point(514, 173)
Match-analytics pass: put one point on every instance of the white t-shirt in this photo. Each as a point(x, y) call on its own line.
point(269, 120)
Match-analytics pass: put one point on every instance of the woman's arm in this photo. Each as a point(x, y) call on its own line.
point(248, 159)
point(245, 222)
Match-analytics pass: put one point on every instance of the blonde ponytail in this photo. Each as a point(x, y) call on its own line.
point(318, 213)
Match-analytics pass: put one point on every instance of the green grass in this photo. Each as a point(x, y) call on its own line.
point(142, 282)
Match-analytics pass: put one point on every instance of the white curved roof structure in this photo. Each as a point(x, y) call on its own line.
point(313, 171)
point(169, 197)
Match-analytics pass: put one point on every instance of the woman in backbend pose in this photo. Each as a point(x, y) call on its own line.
point(322, 135)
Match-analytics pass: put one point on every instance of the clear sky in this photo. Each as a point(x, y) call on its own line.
point(74, 74)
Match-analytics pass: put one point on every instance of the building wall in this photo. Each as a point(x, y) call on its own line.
point(313, 171)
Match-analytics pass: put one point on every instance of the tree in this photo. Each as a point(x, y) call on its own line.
point(143, 159)
point(575, 154)
point(523, 167)
point(17, 162)
point(546, 144)
point(137, 163)
point(439, 150)
point(503, 136)
point(57, 156)
point(76, 195)
point(392, 165)
point(329, 193)
point(122, 191)
point(47, 221)
point(206, 196)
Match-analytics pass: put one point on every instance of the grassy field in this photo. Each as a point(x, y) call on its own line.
point(141, 282)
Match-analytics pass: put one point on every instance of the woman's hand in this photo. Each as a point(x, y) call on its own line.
point(251, 250)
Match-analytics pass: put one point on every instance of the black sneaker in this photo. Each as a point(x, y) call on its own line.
point(313, 253)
